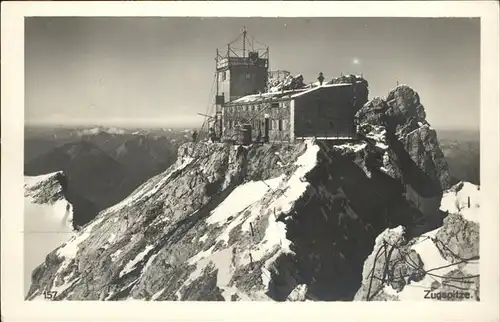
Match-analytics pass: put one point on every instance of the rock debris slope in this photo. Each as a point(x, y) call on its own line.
point(273, 222)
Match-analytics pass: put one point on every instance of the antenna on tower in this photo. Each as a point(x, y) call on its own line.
point(244, 39)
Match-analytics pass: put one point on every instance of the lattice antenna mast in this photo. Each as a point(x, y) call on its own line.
point(244, 39)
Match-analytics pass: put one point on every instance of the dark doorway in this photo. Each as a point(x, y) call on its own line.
point(266, 129)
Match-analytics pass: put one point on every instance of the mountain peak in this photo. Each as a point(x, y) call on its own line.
point(47, 188)
point(99, 130)
point(260, 222)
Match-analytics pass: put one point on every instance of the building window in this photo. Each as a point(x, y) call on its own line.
point(280, 125)
point(275, 105)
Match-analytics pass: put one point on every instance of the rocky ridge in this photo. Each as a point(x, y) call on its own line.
point(45, 189)
point(261, 222)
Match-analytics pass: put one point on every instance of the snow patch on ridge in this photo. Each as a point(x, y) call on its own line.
point(295, 187)
point(31, 182)
point(68, 252)
point(241, 198)
point(131, 265)
point(456, 200)
point(46, 225)
point(70, 248)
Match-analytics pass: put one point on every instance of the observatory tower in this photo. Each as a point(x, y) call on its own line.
point(241, 69)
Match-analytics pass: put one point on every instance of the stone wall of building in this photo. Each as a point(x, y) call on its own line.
point(254, 114)
point(247, 80)
point(241, 80)
point(328, 111)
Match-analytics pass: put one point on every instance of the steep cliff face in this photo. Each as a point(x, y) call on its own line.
point(413, 146)
point(403, 117)
point(440, 264)
point(48, 219)
point(270, 222)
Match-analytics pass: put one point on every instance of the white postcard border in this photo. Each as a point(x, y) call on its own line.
point(14, 308)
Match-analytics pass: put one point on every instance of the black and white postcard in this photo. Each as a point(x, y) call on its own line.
point(320, 152)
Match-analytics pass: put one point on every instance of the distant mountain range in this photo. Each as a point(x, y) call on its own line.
point(102, 166)
point(461, 150)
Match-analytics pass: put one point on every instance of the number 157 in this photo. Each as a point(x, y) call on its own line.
point(49, 295)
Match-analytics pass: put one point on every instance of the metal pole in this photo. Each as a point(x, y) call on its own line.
point(216, 71)
point(268, 59)
point(244, 40)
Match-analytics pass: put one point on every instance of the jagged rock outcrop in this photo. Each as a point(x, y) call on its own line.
point(288, 83)
point(263, 222)
point(361, 90)
point(45, 189)
point(412, 142)
point(440, 264)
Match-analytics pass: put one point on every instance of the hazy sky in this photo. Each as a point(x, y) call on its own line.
point(159, 71)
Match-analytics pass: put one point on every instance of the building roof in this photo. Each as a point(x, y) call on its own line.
point(256, 98)
point(320, 87)
point(289, 94)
